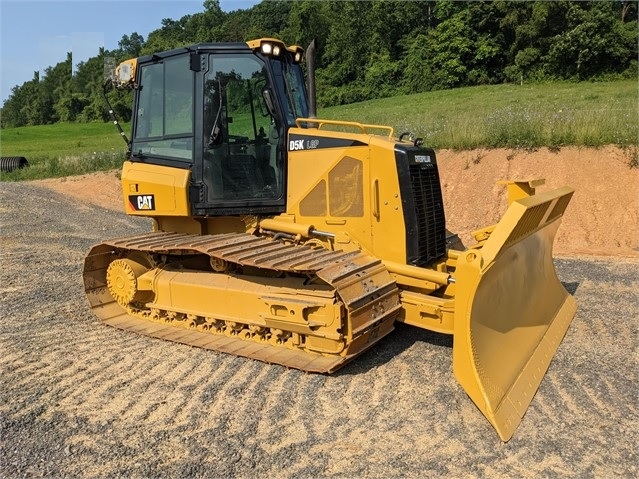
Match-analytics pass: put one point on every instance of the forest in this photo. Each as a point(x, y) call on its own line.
point(370, 49)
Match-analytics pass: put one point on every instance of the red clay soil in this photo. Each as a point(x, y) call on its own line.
point(601, 220)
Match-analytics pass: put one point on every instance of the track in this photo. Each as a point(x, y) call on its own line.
point(357, 286)
point(80, 399)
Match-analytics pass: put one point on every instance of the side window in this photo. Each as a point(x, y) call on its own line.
point(240, 135)
point(150, 113)
point(164, 118)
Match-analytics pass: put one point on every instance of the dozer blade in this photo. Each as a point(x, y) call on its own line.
point(511, 310)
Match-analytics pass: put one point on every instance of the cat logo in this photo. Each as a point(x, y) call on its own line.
point(142, 202)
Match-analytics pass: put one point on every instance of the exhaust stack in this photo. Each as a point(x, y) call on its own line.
point(310, 79)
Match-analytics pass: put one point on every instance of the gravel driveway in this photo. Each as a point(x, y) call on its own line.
point(81, 399)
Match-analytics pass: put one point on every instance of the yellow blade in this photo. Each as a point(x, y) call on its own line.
point(511, 310)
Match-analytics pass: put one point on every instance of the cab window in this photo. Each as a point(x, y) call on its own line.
point(240, 134)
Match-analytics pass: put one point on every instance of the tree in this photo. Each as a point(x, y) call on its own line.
point(172, 34)
point(208, 25)
point(131, 46)
point(268, 19)
point(594, 41)
point(371, 49)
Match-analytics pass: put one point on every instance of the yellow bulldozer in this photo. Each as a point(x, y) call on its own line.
point(301, 241)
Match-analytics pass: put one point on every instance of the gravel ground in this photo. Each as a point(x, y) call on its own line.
point(79, 399)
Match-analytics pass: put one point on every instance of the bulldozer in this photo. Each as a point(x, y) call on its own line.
point(300, 241)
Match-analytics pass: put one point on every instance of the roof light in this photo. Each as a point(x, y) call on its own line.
point(124, 73)
point(272, 47)
point(297, 53)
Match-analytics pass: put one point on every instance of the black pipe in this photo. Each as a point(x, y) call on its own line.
point(10, 163)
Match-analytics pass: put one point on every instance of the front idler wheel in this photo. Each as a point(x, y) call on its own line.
point(122, 281)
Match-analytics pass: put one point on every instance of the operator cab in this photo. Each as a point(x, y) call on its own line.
point(222, 111)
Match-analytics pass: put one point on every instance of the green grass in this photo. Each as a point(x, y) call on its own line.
point(63, 149)
point(509, 116)
point(62, 139)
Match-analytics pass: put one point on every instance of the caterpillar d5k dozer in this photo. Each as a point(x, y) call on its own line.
point(300, 241)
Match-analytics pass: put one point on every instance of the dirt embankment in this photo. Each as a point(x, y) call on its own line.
point(602, 219)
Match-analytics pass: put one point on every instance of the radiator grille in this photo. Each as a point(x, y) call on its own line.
point(430, 220)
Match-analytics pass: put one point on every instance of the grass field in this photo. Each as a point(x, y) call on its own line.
point(63, 149)
point(510, 116)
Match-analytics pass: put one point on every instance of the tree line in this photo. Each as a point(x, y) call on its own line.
point(371, 49)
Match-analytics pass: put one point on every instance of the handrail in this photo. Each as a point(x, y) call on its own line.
point(362, 126)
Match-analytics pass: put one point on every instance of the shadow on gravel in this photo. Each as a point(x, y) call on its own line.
point(393, 345)
point(571, 287)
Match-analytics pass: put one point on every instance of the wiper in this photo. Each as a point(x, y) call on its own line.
point(216, 130)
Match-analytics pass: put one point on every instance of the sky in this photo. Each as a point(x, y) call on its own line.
point(36, 34)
